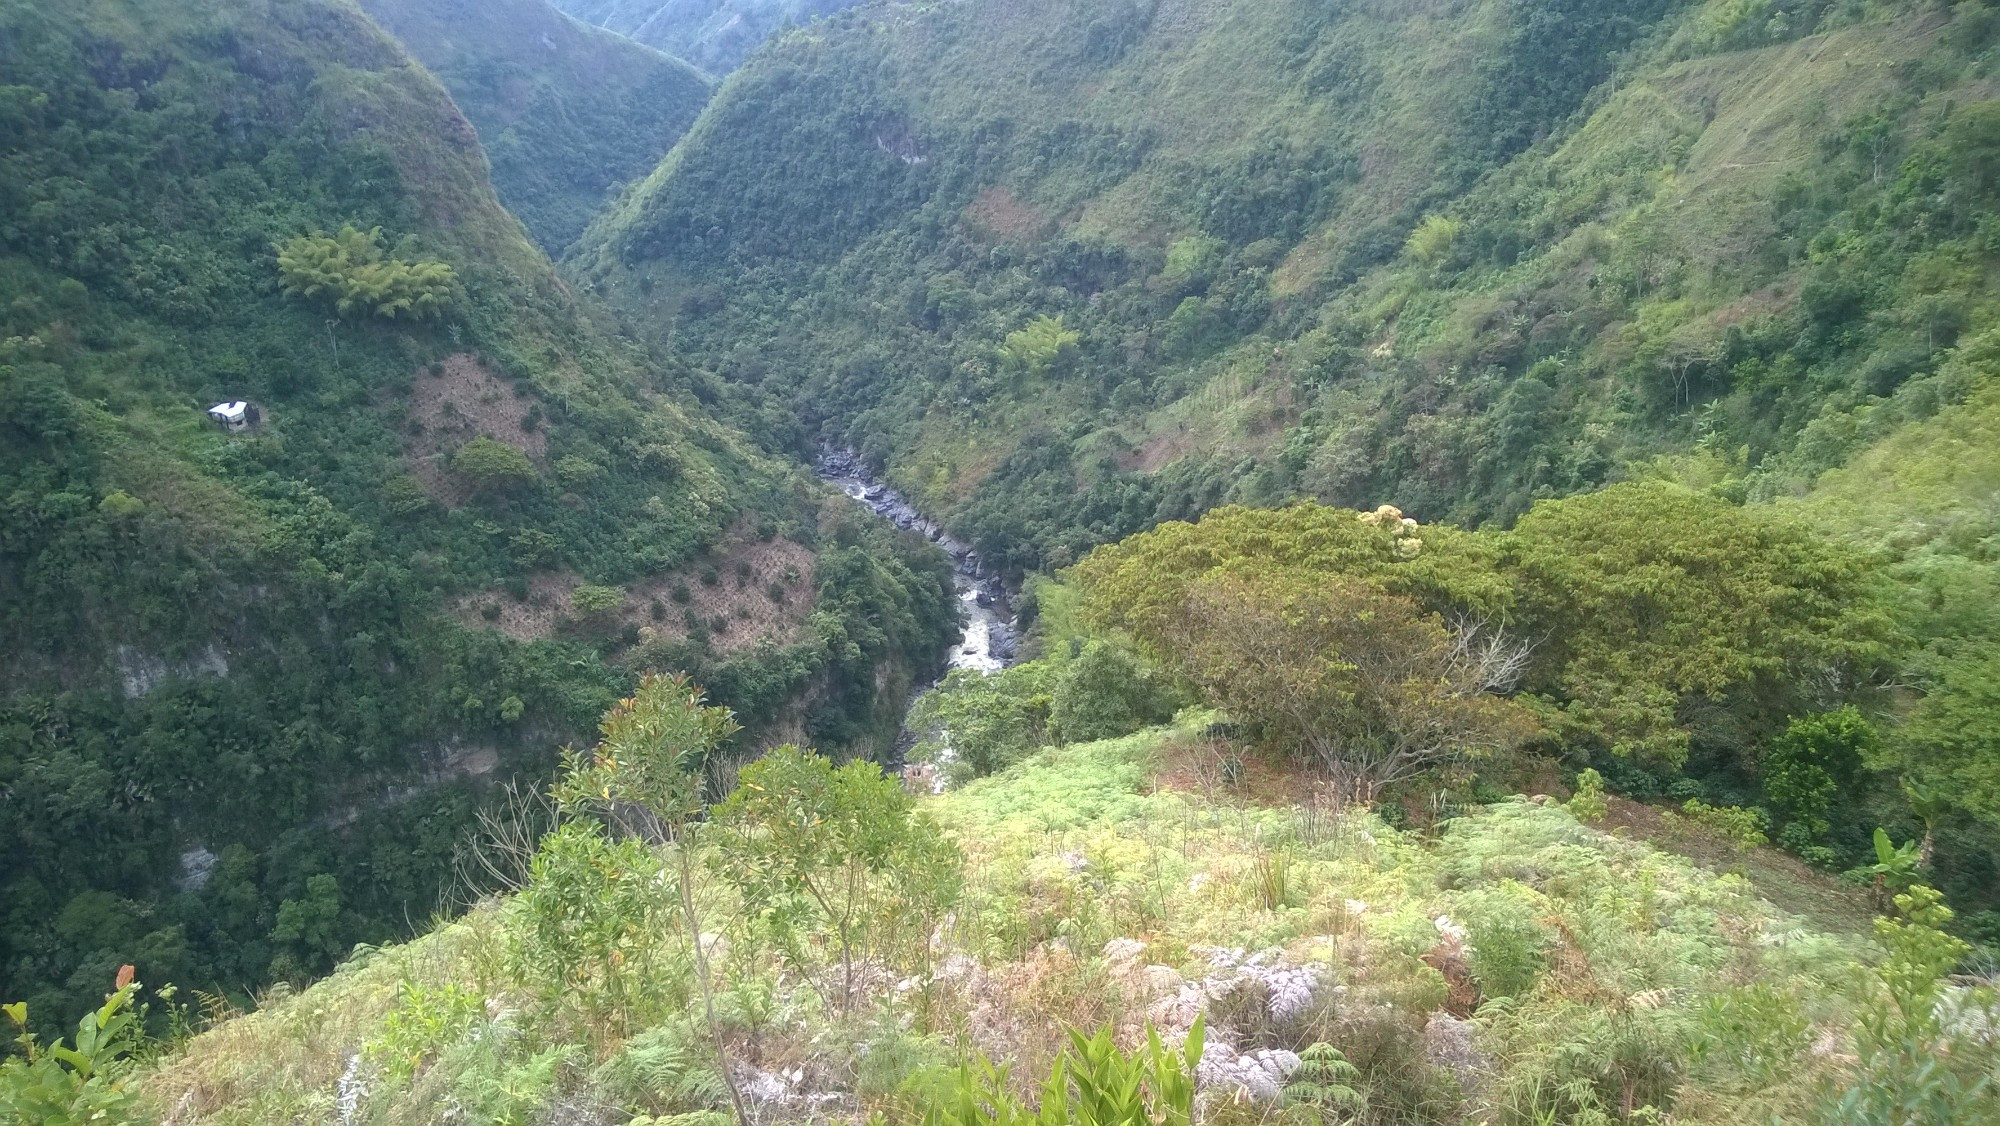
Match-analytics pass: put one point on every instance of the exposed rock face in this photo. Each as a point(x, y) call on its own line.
point(139, 672)
point(1282, 992)
point(1448, 1044)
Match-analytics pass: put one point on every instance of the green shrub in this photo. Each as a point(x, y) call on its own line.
point(1742, 829)
point(1587, 804)
point(492, 465)
point(834, 855)
point(986, 723)
point(1507, 955)
point(1093, 1083)
point(1915, 1062)
point(426, 1020)
point(1039, 346)
point(591, 600)
point(1102, 693)
point(1433, 239)
point(1816, 760)
point(351, 272)
point(85, 1081)
point(1324, 1084)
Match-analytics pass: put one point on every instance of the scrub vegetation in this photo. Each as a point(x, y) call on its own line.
point(1496, 499)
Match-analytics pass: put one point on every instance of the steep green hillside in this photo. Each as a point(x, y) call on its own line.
point(714, 34)
point(566, 113)
point(1068, 270)
point(249, 681)
point(1434, 254)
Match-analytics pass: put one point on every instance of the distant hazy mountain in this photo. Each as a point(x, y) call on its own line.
point(564, 111)
point(713, 34)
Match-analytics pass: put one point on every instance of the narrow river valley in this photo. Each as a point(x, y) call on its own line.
point(989, 640)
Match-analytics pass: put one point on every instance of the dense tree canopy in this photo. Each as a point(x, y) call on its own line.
point(1633, 621)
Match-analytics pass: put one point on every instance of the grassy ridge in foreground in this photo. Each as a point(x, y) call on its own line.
point(1104, 883)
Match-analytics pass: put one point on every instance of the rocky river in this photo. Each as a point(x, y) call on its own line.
point(989, 640)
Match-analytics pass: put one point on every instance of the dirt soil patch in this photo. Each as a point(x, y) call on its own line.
point(1158, 450)
point(538, 616)
point(999, 214)
point(736, 611)
point(1219, 769)
point(463, 401)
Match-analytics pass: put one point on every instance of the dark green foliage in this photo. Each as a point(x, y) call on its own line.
point(1103, 692)
point(1815, 764)
point(1738, 616)
point(1952, 738)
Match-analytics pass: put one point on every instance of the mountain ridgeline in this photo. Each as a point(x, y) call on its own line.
point(716, 35)
point(256, 680)
point(1067, 270)
point(1443, 255)
point(566, 113)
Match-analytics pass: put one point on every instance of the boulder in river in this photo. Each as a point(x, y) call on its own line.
point(1001, 643)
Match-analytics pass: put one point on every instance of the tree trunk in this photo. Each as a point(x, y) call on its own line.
point(702, 978)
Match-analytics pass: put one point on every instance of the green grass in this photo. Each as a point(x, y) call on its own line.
point(1083, 845)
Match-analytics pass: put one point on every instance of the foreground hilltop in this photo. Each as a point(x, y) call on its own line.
point(1510, 965)
point(251, 679)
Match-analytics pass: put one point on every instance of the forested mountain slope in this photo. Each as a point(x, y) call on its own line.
point(565, 112)
point(714, 34)
point(1072, 268)
point(246, 676)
